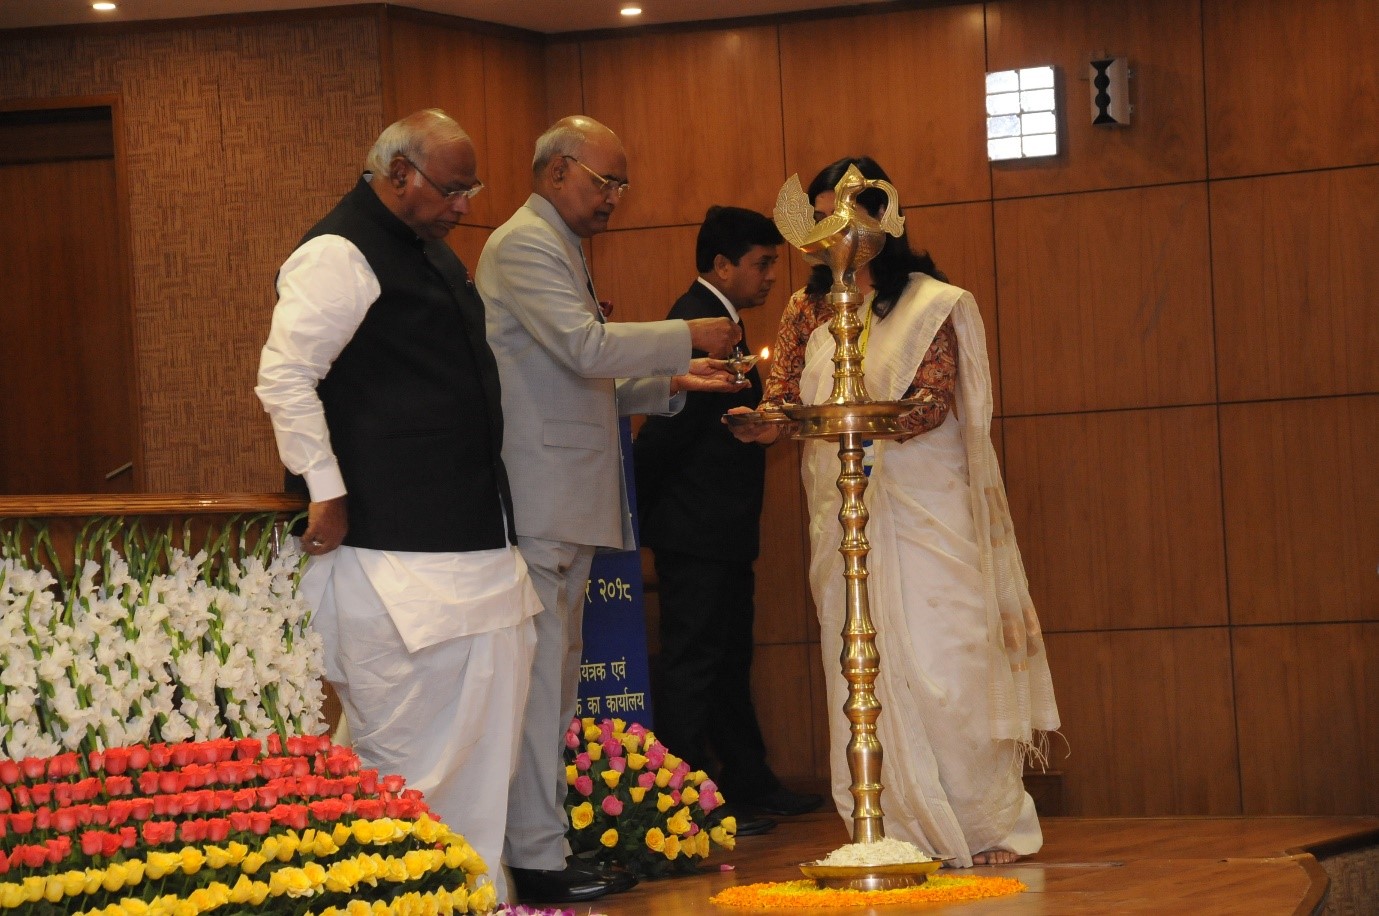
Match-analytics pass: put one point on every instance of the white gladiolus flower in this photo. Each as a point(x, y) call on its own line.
point(183, 647)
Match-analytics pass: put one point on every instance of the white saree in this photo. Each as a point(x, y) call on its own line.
point(964, 681)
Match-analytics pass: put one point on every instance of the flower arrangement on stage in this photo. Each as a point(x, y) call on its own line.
point(156, 705)
point(157, 644)
point(633, 803)
point(288, 827)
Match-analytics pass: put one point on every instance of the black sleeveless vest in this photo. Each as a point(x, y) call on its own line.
point(412, 402)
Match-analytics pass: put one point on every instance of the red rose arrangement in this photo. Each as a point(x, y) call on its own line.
point(289, 826)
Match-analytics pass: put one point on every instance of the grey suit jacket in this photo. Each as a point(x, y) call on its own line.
point(566, 377)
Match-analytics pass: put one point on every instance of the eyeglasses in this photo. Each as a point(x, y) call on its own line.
point(605, 184)
point(447, 194)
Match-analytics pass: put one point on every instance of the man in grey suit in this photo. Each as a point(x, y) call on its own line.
point(566, 378)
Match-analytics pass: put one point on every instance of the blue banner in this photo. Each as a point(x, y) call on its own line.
point(614, 677)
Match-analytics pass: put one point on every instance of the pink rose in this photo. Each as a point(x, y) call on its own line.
point(618, 763)
point(582, 762)
point(646, 779)
point(611, 805)
point(584, 785)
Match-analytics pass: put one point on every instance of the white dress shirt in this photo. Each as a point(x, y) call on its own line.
point(732, 312)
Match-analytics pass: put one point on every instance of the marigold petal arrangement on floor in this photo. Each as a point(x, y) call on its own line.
point(806, 894)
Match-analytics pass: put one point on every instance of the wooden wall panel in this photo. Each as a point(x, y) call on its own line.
point(906, 88)
point(468, 242)
point(818, 713)
point(1164, 140)
point(434, 66)
point(1301, 509)
point(785, 610)
point(1294, 268)
point(643, 271)
point(699, 115)
point(1105, 300)
point(67, 372)
point(959, 238)
point(1290, 85)
point(1148, 722)
point(514, 116)
point(564, 81)
point(779, 676)
point(1118, 516)
point(1308, 701)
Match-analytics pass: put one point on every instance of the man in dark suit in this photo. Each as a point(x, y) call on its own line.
point(699, 494)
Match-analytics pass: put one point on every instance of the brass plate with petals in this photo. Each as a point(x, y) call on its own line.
point(871, 877)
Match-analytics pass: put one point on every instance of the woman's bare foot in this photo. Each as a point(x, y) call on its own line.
point(995, 857)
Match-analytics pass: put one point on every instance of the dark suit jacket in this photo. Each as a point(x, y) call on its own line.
point(699, 489)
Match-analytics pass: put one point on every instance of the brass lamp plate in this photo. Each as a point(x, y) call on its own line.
point(756, 417)
point(874, 419)
point(871, 877)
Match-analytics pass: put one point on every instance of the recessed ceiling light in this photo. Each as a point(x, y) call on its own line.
point(631, 10)
point(103, 7)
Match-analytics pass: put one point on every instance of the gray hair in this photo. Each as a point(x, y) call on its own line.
point(411, 137)
point(562, 139)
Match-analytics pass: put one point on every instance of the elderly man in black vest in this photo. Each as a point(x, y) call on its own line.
point(385, 403)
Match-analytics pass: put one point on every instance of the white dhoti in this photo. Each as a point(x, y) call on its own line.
point(431, 658)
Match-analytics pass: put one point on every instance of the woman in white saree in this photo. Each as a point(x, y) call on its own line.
point(964, 681)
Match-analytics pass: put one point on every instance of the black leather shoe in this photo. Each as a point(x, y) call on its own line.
point(751, 825)
point(785, 803)
point(747, 824)
point(619, 879)
point(565, 885)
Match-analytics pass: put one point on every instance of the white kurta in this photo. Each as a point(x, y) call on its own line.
point(964, 680)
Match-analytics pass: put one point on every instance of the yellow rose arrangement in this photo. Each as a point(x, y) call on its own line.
point(633, 803)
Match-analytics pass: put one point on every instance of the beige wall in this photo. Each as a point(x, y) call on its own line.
point(1181, 314)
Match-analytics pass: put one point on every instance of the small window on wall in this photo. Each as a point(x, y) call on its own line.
point(56, 135)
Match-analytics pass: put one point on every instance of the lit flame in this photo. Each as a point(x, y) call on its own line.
point(765, 353)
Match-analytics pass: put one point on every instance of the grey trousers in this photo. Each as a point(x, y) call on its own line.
point(536, 804)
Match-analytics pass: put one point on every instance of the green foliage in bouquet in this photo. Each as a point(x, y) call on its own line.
point(633, 803)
